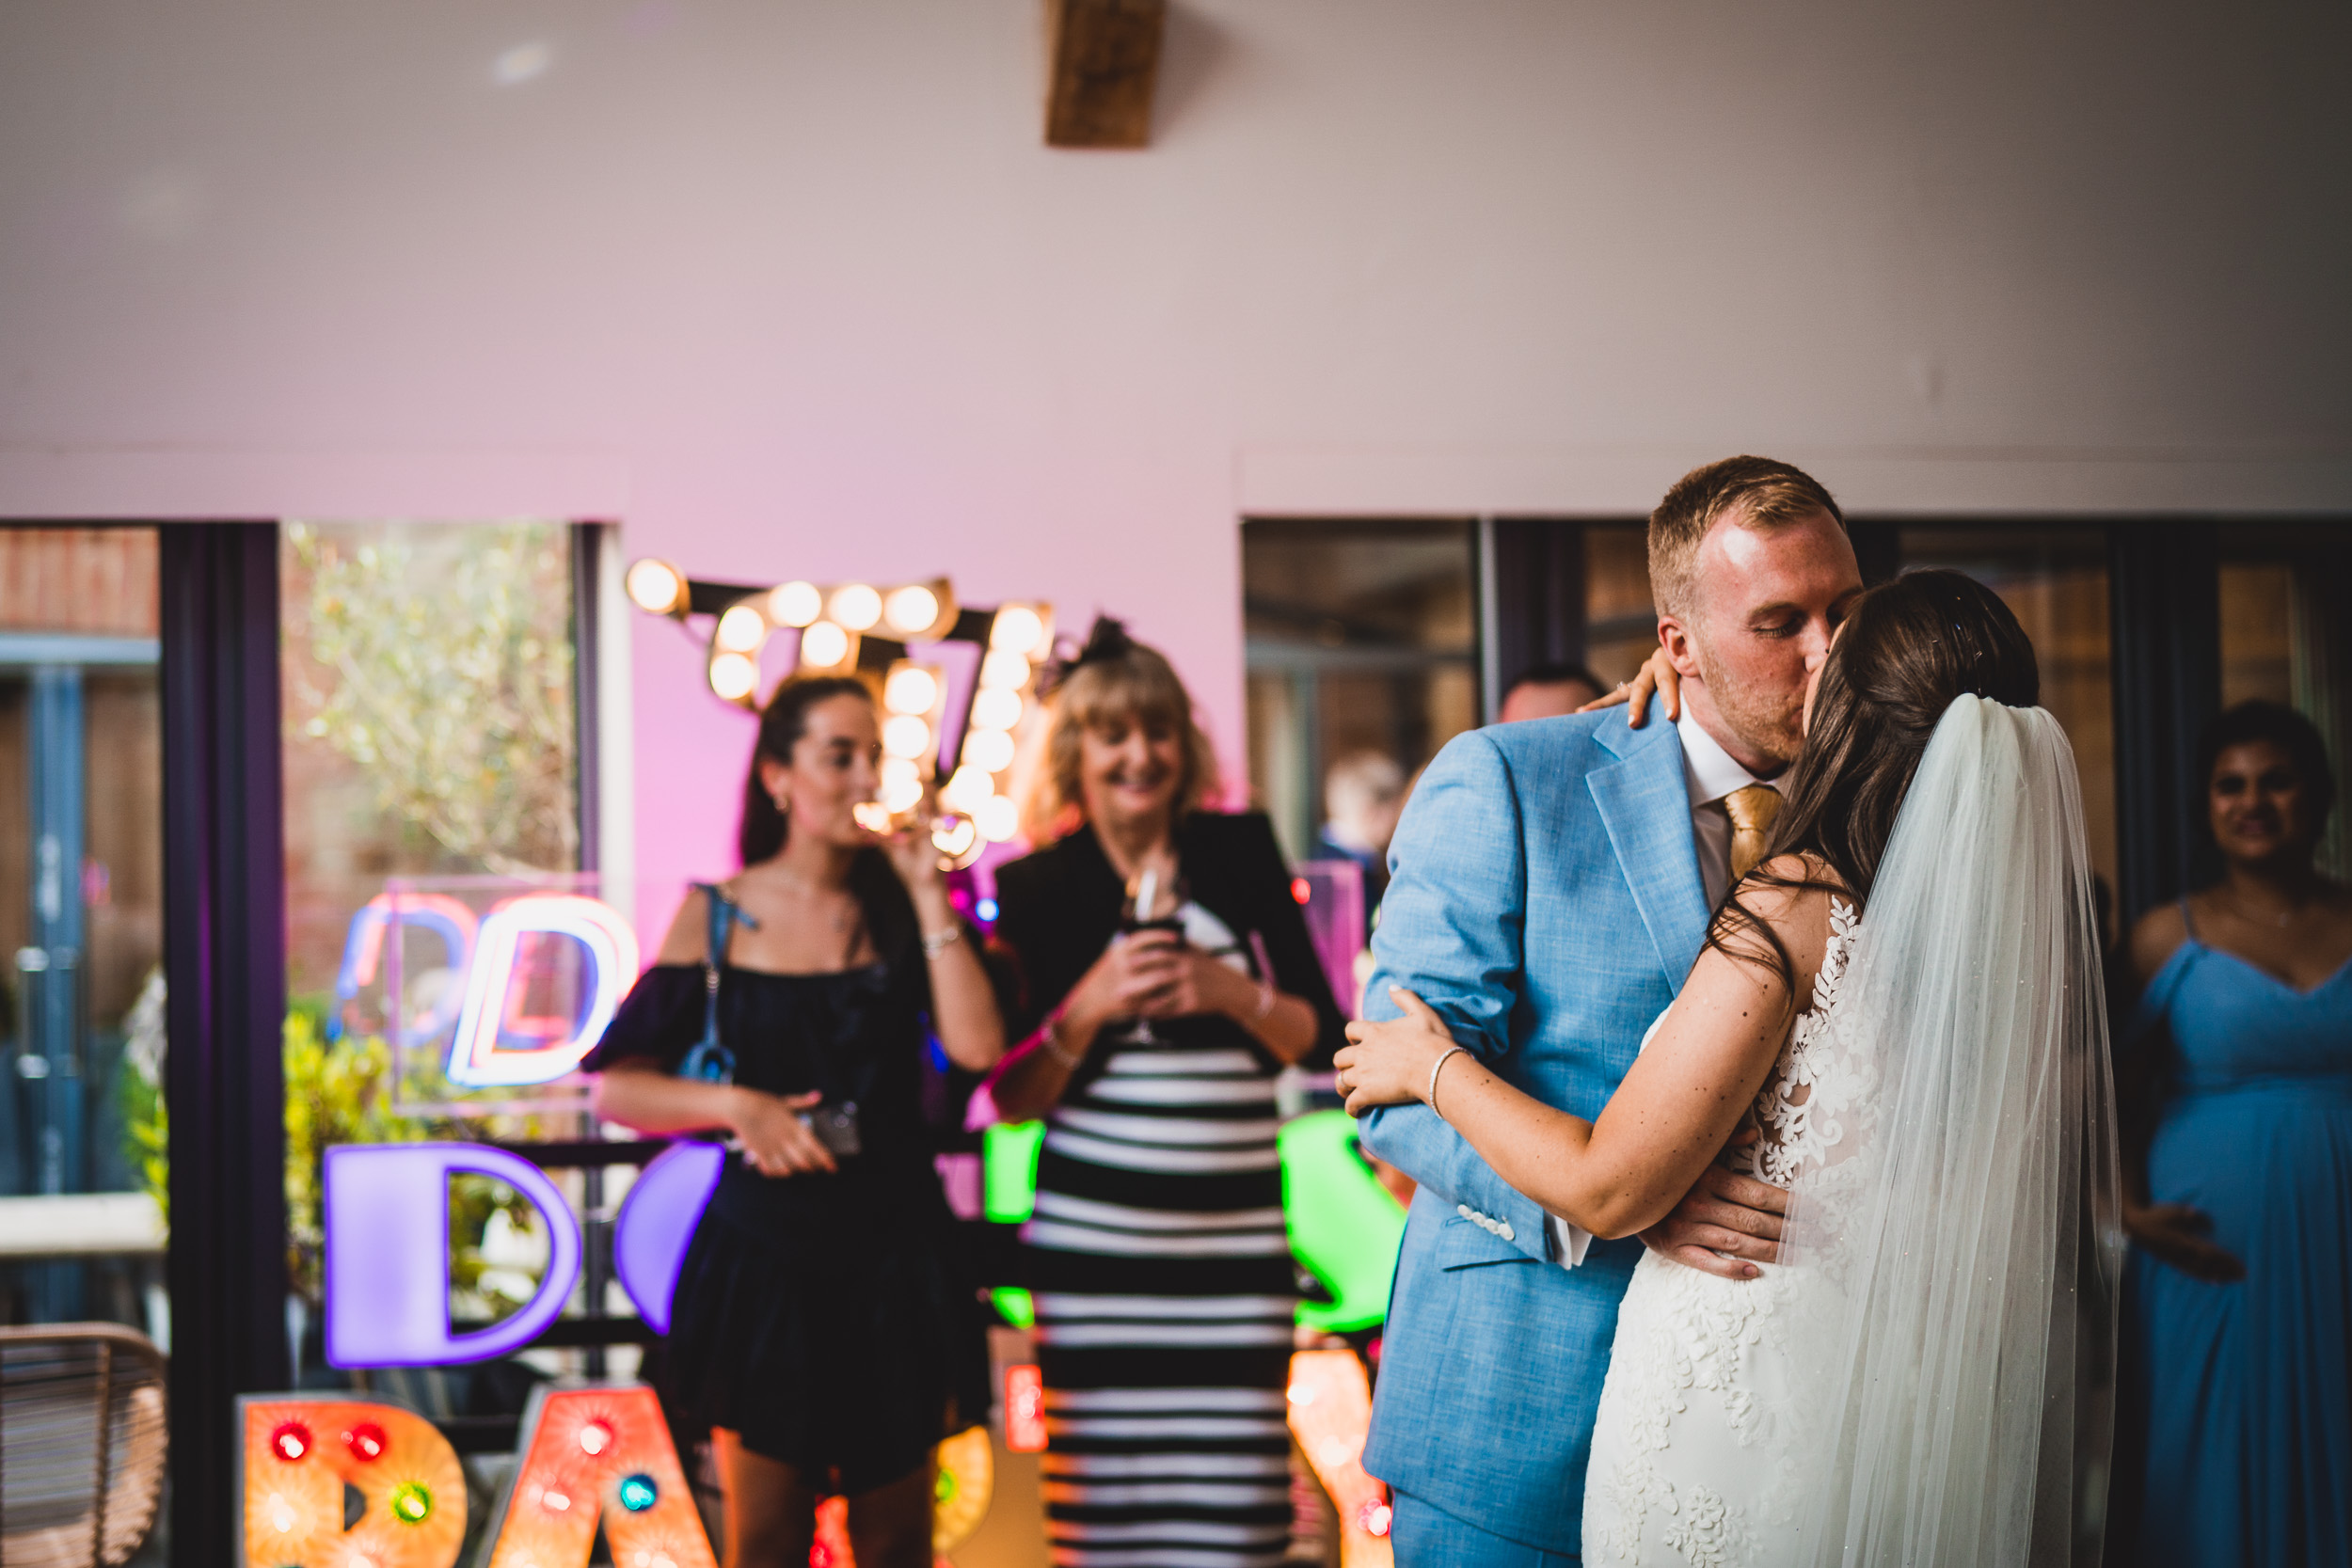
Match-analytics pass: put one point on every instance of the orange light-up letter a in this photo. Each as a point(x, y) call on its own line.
point(591, 1452)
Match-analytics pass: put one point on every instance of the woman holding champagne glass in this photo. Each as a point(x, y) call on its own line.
point(1168, 977)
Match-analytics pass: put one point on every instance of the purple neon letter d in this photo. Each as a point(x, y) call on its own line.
point(386, 1207)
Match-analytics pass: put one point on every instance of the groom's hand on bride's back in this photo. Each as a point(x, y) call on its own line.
point(1722, 1214)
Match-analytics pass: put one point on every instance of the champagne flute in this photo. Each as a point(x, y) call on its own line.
point(1141, 914)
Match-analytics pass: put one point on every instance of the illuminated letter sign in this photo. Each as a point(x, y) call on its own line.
point(386, 1209)
point(591, 1453)
point(658, 1220)
point(1330, 1410)
point(479, 1056)
point(298, 1456)
point(363, 952)
point(1344, 1225)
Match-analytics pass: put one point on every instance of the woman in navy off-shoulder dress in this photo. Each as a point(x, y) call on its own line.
point(822, 1323)
point(2238, 1360)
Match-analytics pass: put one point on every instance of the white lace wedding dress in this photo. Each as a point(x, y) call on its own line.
point(1707, 1423)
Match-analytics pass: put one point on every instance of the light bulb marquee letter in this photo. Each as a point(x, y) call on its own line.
point(591, 1454)
point(297, 1456)
point(862, 628)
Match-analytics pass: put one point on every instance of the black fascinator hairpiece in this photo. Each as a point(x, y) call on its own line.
point(1106, 639)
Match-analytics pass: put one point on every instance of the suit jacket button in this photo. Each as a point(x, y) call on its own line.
point(1463, 1210)
point(1506, 1232)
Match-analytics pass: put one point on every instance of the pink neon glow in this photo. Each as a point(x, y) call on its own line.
point(475, 1058)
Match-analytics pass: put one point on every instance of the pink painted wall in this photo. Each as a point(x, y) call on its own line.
point(791, 287)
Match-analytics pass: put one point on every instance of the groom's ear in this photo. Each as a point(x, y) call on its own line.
point(1674, 635)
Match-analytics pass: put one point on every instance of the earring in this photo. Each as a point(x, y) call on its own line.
point(780, 803)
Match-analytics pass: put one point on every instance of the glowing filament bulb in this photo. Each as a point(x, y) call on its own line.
point(732, 676)
point(911, 609)
point(1003, 671)
point(954, 836)
point(910, 688)
point(655, 587)
point(794, 603)
point(998, 709)
point(906, 736)
point(902, 795)
point(555, 1502)
point(998, 818)
point(989, 751)
point(1016, 629)
point(740, 630)
point(824, 645)
point(594, 1437)
point(282, 1515)
point(900, 771)
point(855, 606)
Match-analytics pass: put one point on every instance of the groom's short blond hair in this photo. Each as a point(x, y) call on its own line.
point(1764, 493)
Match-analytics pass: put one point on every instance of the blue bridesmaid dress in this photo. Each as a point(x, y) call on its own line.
point(2247, 1386)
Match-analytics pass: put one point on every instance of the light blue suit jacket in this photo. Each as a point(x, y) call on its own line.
point(1544, 898)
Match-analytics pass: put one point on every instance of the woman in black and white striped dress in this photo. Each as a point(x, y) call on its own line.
point(1159, 1258)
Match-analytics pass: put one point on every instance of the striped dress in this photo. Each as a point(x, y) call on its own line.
point(1156, 1254)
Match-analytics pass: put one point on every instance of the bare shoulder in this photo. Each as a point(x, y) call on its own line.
point(2156, 937)
point(1786, 904)
point(686, 939)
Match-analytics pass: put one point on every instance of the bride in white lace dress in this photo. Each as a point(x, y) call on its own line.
point(1898, 1019)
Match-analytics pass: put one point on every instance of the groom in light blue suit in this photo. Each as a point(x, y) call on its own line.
point(1550, 886)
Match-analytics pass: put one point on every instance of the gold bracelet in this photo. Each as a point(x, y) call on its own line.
point(939, 941)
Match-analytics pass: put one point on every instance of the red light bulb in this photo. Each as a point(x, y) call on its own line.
point(289, 1441)
point(366, 1441)
point(594, 1437)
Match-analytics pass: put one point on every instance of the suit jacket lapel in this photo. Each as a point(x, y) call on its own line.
point(1645, 806)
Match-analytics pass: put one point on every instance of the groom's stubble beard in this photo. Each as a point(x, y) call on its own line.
point(1766, 721)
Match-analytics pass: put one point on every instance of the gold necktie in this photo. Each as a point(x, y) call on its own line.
point(1752, 810)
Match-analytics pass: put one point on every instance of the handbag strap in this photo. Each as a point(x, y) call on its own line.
point(710, 1058)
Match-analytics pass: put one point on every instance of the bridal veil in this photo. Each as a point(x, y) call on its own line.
point(1970, 1226)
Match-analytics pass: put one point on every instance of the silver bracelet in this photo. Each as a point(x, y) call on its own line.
point(1435, 1067)
point(1049, 1035)
point(939, 941)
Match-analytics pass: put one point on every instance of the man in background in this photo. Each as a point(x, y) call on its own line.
point(1363, 795)
point(1548, 690)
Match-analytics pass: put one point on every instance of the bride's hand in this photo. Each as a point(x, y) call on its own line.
point(1657, 674)
point(1388, 1062)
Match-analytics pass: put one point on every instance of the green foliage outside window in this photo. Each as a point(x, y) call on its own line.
point(448, 658)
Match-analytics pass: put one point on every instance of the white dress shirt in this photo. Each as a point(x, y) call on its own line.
point(1709, 773)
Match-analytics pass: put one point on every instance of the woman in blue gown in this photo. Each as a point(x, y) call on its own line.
point(2239, 1327)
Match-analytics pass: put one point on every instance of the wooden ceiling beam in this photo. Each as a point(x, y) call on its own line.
point(1105, 60)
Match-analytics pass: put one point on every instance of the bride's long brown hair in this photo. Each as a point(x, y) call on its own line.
point(1907, 649)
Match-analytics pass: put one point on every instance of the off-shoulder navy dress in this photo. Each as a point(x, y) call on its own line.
point(830, 1319)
